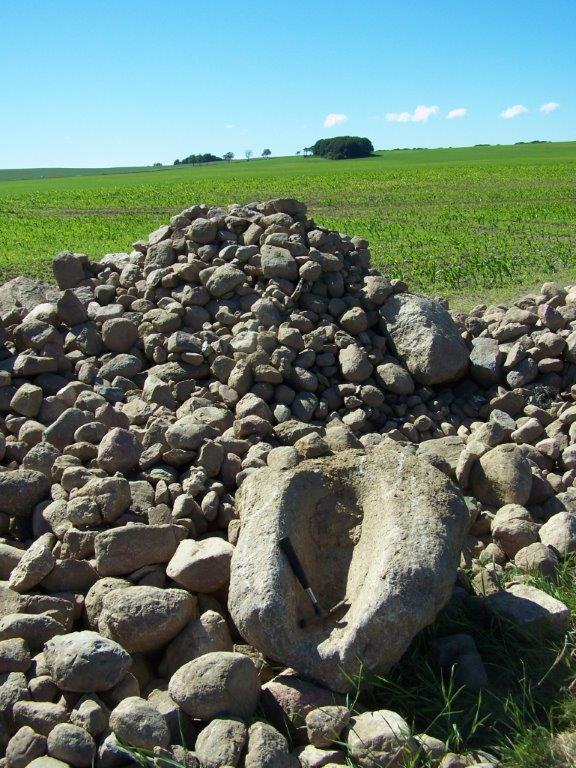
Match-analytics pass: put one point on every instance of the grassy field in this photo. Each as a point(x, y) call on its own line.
point(467, 223)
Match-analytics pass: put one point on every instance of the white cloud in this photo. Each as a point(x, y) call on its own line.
point(398, 117)
point(550, 106)
point(517, 109)
point(334, 118)
point(420, 115)
point(231, 125)
point(460, 112)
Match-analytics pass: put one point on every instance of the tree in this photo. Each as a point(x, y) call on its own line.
point(308, 151)
point(247, 154)
point(266, 153)
point(298, 152)
point(343, 147)
point(228, 156)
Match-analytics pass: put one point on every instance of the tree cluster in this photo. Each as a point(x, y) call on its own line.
point(207, 157)
point(342, 147)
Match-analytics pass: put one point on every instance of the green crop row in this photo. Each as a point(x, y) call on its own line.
point(448, 221)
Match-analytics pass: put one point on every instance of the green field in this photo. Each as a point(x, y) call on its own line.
point(468, 222)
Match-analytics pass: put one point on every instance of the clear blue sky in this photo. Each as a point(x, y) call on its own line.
point(132, 82)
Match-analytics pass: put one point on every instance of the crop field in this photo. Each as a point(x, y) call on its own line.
point(460, 222)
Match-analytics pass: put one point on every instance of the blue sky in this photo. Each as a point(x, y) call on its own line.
point(134, 82)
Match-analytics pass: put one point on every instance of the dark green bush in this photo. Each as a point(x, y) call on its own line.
point(343, 147)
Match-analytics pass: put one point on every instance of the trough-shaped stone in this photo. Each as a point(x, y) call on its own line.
point(381, 529)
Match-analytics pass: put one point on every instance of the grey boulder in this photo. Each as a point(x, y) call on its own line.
point(144, 619)
point(85, 661)
point(425, 337)
point(216, 684)
point(138, 723)
point(382, 530)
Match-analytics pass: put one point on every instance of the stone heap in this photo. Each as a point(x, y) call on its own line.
point(140, 396)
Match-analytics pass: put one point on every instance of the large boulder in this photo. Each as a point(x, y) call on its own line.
point(85, 661)
point(425, 337)
point(502, 476)
point(25, 292)
point(216, 684)
point(144, 619)
point(381, 529)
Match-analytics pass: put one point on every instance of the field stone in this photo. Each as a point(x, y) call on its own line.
point(432, 748)
point(447, 448)
point(41, 716)
point(35, 629)
point(203, 231)
point(91, 714)
point(119, 451)
point(45, 761)
point(513, 528)
point(35, 564)
point(278, 263)
point(121, 365)
point(70, 309)
point(43, 688)
point(111, 496)
point(283, 457)
point(145, 619)
point(13, 688)
point(9, 559)
point(72, 745)
point(137, 722)
point(559, 532)
point(85, 662)
point(14, 655)
point(395, 378)
point(216, 684)
point(27, 400)
point(425, 338)
point(60, 433)
point(119, 551)
point(502, 476)
point(95, 595)
point(119, 334)
point(381, 738)
point(207, 634)
point(41, 458)
point(337, 543)
point(24, 746)
point(267, 748)
point(201, 566)
point(287, 699)
point(70, 575)
point(314, 757)
point(221, 743)
point(537, 558)
point(530, 609)
point(224, 279)
point(324, 725)
point(68, 269)
point(355, 363)
point(21, 490)
point(187, 434)
point(26, 293)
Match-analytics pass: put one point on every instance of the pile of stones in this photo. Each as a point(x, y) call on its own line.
point(136, 400)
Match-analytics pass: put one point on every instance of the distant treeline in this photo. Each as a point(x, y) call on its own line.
point(207, 157)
